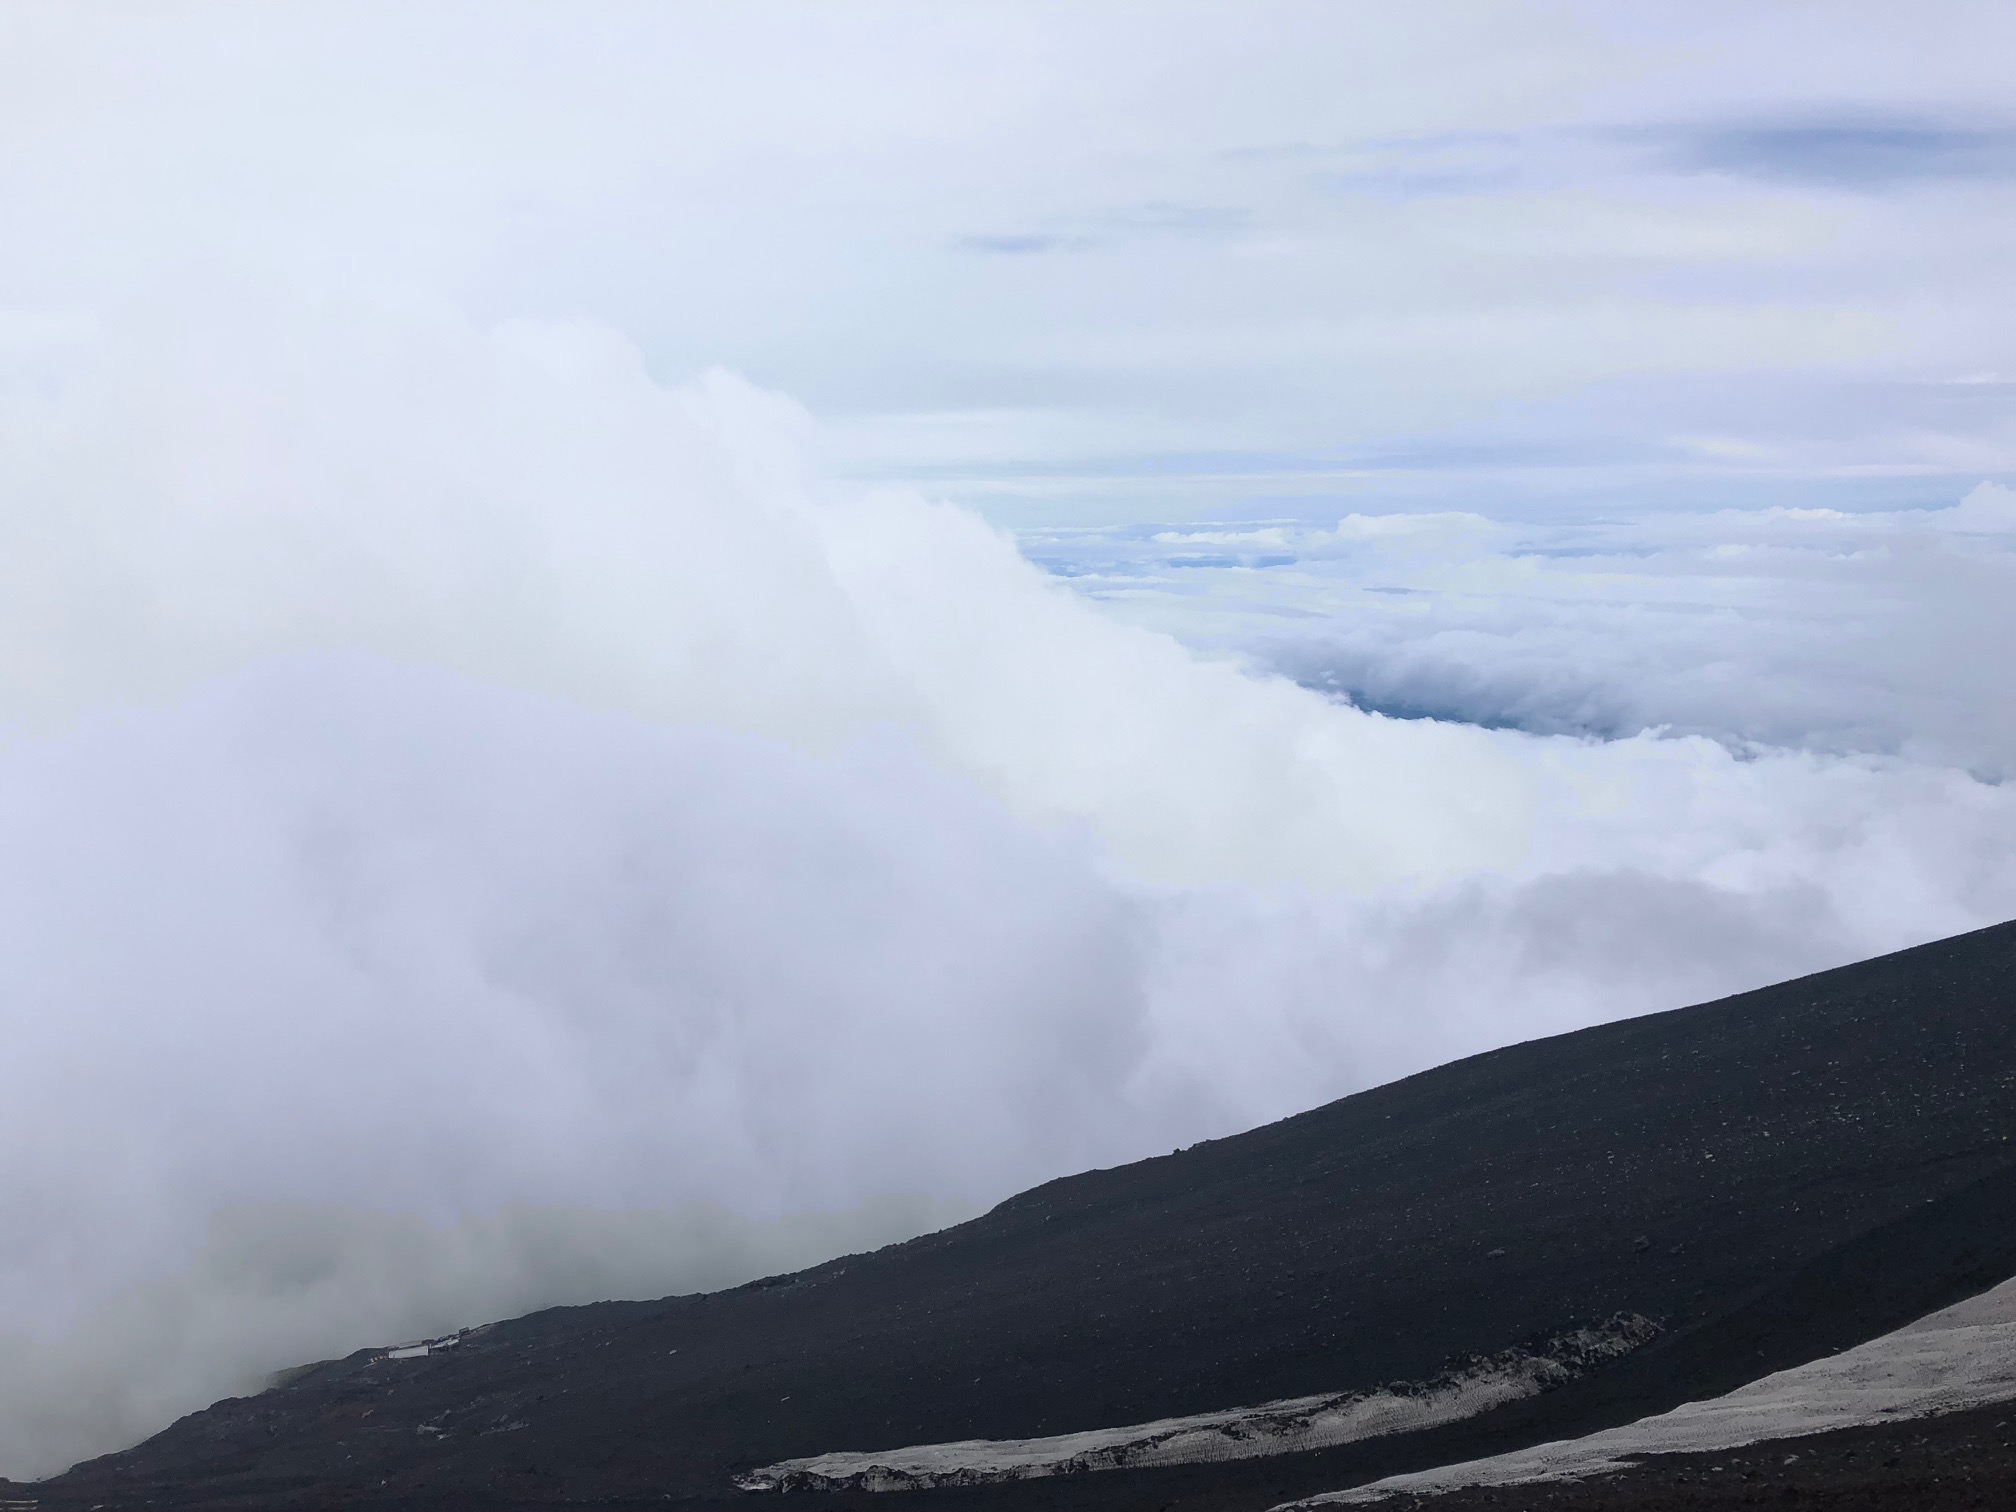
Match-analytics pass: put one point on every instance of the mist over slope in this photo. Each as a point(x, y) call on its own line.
point(455, 784)
point(1513, 1248)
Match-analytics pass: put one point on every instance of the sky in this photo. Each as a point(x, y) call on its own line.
point(643, 644)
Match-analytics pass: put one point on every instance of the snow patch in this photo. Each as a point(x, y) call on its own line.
point(1961, 1357)
point(1283, 1427)
point(422, 1347)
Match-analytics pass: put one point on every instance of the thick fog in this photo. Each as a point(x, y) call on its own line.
point(480, 828)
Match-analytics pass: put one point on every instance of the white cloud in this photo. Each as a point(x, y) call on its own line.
point(1989, 508)
point(1361, 527)
point(1270, 535)
point(500, 783)
point(1786, 626)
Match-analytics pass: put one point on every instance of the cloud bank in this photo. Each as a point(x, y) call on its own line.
point(481, 828)
point(1813, 628)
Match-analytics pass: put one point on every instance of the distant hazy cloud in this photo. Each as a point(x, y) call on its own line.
point(1024, 244)
point(1845, 153)
point(1808, 627)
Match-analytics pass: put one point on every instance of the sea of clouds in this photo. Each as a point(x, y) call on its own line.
point(482, 828)
point(1876, 630)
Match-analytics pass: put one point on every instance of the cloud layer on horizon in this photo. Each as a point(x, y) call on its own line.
point(1819, 629)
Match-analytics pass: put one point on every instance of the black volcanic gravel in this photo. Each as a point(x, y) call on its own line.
point(1770, 1176)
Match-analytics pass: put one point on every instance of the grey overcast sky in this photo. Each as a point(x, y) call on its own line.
point(1042, 254)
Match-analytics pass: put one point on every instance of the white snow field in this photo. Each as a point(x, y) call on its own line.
point(1963, 1356)
point(1283, 1427)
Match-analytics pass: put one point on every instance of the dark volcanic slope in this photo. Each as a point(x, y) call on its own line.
point(1771, 1176)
